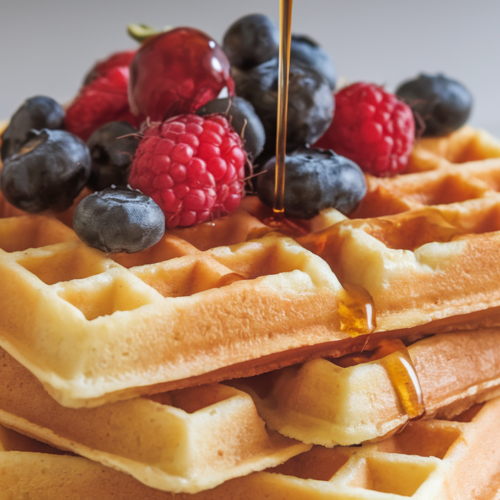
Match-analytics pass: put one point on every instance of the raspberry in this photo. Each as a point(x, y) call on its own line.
point(103, 100)
point(193, 167)
point(117, 59)
point(372, 128)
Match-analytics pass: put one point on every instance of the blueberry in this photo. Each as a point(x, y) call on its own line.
point(444, 105)
point(112, 148)
point(36, 113)
point(310, 101)
point(243, 120)
point(251, 40)
point(119, 220)
point(315, 179)
point(49, 171)
point(306, 51)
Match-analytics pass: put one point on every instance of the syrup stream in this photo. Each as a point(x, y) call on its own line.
point(284, 66)
point(357, 309)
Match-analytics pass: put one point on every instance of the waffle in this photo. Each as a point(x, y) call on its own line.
point(200, 437)
point(429, 460)
point(33, 470)
point(186, 440)
point(367, 396)
point(205, 305)
point(425, 245)
point(237, 297)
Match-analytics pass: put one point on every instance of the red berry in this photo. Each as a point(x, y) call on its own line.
point(372, 128)
point(193, 167)
point(177, 72)
point(114, 60)
point(102, 101)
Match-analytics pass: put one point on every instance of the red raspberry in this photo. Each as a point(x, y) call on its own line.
point(103, 100)
point(372, 128)
point(193, 167)
point(114, 60)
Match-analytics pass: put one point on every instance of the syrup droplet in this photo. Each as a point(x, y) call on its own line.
point(356, 311)
point(285, 226)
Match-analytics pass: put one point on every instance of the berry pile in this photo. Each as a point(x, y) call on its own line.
point(155, 121)
point(192, 166)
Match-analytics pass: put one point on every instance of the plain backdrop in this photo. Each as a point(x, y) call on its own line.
point(47, 46)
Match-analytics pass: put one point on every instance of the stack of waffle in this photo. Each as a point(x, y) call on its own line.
point(244, 345)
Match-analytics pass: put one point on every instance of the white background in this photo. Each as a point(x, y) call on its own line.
point(46, 46)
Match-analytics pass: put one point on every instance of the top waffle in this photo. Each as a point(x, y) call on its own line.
point(204, 304)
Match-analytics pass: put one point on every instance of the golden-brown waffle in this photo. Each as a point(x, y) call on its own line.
point(187, 440)
point(370, 395)
point(425, 245)
point(429, 460)
point(190, 310)
point(119, 329)
point(203, 304)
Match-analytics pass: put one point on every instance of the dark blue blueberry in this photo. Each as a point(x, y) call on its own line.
point(306, 51)
point(36, 113)
point(310, 102)
point(112, 148)
point(119, 220)
point(442, 104)
point(314, 179)
point(242, 118)
point(250, 41)
point(49, 171)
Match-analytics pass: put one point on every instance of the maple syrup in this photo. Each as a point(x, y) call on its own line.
point(356, 307)
point(356, 311)
point(404, 379)
point(394, 357)
point(284, 66)
point(285, 226)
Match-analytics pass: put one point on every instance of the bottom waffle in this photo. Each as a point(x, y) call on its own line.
point(186, 440)
point(434, 459)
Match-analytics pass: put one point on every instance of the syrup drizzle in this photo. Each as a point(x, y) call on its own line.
point(399, 366)
point(356, 309)
point(395, 359)
point(284, 67)
point(403, 376)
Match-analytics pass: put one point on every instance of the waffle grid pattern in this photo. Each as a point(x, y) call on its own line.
point(424, 247)
point(190, 306)
point(119, 328)
point(366, 396)
point(429, 460)
point(186, 440)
